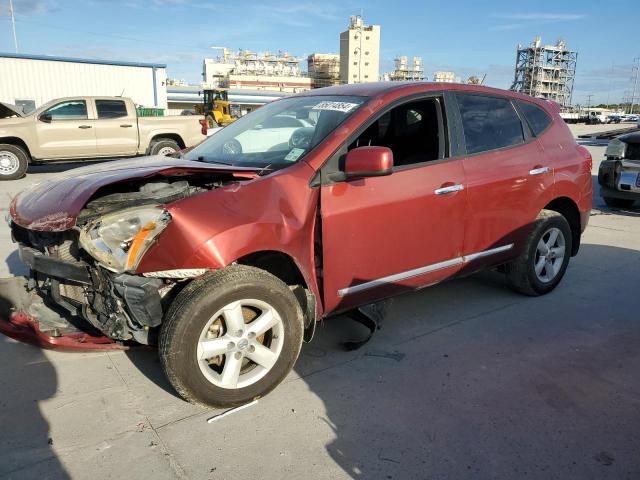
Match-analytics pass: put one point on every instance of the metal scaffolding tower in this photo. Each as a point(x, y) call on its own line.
point(546, 71)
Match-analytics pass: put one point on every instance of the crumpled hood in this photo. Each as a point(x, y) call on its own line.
point(54, 205)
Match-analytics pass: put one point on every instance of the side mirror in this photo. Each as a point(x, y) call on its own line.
point(368, 162)
point(45, 117)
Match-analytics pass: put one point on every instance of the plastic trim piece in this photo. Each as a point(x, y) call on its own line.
point(422, 270)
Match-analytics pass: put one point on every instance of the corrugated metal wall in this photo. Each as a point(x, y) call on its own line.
point(44, 80)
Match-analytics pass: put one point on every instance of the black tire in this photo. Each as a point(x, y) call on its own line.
point(163, 143)
point(618, 202)
point(13, 152)
point(194, 307)
point(521, 274)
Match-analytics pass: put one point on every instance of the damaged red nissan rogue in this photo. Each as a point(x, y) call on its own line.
point(312, 205)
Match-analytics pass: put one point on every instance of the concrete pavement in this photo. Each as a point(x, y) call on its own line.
point(464, 380)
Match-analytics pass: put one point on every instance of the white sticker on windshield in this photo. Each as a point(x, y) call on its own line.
point(336, 106)
point(294, 154)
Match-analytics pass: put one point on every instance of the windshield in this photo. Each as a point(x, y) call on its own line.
point(278, 134)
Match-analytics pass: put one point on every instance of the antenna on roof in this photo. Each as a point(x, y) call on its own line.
point(121, 93)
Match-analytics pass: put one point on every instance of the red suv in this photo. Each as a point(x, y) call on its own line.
point(309, 206)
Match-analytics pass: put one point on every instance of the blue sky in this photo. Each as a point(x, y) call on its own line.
point(468, 37)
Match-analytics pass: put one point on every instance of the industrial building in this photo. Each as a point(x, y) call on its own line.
point(255, 71)
point(546, 71)
point(360, 52)
point(32, 80)
point(403, 71)
point(445, 77)
point(324, 69)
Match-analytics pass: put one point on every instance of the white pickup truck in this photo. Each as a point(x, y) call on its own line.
point(80, 128)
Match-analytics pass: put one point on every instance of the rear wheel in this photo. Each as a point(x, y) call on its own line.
point(164, 147)
point(231, 337)
point(14, 161)
point(545, 258)
point(618, 202)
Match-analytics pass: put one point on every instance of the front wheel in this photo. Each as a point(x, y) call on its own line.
point(545, 257)
point(14, 161)
point(231, 336)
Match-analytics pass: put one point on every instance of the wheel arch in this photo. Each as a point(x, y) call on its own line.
point(18, 142)
point(284, 267)
point(566, 207)
point(277, 263)
point(166, 136)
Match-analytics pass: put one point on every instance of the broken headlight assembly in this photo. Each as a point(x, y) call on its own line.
point(119, 240)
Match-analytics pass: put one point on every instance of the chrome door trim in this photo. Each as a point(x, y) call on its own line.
point(422, 270)
point(486, 253)
point(539, 171)
point(451, 189)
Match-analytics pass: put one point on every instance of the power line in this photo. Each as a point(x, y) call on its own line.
point(13, 25)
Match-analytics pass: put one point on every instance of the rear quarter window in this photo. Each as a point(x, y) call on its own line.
point(489, 123)
point(111, 109)
point(536, 117)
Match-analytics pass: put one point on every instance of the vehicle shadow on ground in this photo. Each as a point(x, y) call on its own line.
point(61, 167)
point(15, 265)
point(27, 378)
point(469, 380)
point(599, 207)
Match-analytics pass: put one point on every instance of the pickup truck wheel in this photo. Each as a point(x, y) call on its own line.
point(14, 161)
point(231, 336)
point(545, 257)
point(164, 147)
point(618, 202)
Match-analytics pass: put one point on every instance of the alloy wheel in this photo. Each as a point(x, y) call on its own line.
point(550, 253)
point(240, 344)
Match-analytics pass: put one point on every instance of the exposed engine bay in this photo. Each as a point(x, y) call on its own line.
point(72, 279)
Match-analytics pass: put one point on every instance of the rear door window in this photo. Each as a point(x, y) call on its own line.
point(111, 109)
point(536, 117)
point(489, 123)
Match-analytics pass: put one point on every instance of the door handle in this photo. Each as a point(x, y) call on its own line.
point(84, 126)
point(450, 189)
point(126, 126)
point(539, 171)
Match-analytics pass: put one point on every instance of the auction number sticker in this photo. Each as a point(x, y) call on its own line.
point(335, 106)
point(294, 154)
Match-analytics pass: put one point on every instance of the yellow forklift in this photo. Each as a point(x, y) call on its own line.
point(217, 109)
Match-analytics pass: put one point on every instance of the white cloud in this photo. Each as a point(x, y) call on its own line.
point(28, 7)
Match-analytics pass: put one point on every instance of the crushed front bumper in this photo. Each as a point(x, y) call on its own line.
point(26, 317)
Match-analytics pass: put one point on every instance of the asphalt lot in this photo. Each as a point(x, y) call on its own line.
point(464, 380)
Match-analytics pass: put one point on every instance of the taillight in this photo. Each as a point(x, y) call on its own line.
point(205, 126)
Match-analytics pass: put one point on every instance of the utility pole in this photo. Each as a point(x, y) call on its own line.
point(589, 100)
point(636, 69)
point(13, 25)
